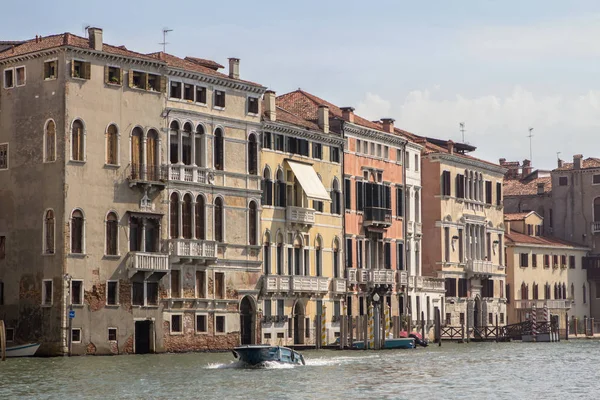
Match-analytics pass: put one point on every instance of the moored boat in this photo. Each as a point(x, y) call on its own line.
point(394, 343)
point(257, 354)
point(25, 350)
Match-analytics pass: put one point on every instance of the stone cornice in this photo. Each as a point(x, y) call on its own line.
point(388, 138)
point(473, 162)
point(313, 136)
point(31, 56)
point(216, 80)
point(213, 119)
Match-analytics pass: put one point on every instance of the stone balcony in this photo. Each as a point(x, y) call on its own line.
point(299, 215)
point(192, 249)
point(338, 285)
point(539, 304)
point(189, 174)
point(427, 283)
point(147, 262)
point(376, 216)
point(418, 228)
point(276, 283)
point(142, 174)
point(479, 267)
point(595, 227)
point(403, 278)
point(310, 284)
point(382, 276)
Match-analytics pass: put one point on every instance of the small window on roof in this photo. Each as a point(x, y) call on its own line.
point(563, 181)
point(114, 75)
point(252, 105)
point(200, 94)
point(20, 75)
point(219, 98)
point(81, 69)
point(9, 78)
point(155, 82)
point(137, 80)
point(175, 91)
point(50, 68)
point(188, 92)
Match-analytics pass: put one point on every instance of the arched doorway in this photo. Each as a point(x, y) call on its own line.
point(247, 321)
point(477, 312)
point(298, 323)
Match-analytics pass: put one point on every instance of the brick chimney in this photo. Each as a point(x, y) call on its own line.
point(560, 163)
point(526, 167)
point(270, 105)
point(95, 35)
point(348, 113)
point(323, 115)
point(388, 125)
point(450, 145)
point(234, 68)
point(502, 161)
point(577, 161)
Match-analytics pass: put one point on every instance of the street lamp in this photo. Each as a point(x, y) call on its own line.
point(68, 279)
point(376, 320)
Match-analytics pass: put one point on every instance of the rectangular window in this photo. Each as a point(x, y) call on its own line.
point(200, 94)
point(280, 308)
point(490, 319)
point(113, 75)
point(137, 293)
point(81, 69)
point(448, 319)
point(317, 151)
point(201, 284)
point(201, 323)
point(460, 186)
point(461, 246)
point(47, 292)
point(188, 92)
point(447, 244)
point(347, 194)
point(596, 179)
point(175, 284)
point(399, 202)
point(175, 91)
point(387, 252)
point(462, 287)
point(20, 76)
point(416, 162)
point(488, 192)
point(220, 324)
point(76, 292)
point(445, 183)
point(386, 152)
point(9, 78)
point(359, 253)
point(348, 253)
point(359, 196)
point(334, 154)
point(267, 311)
point(563, 261)
point(219, 98)
point(50, 69)
point(112, 293)
point(252, 105)
point(151, 293)
point(154, 83)
point(563, 181)
point(546, 261)
point(266, 140)
point(400, 257)
point(3, 156)
point(534, 260)
point(137, 79)
point(450, 286)
point(524, 260)
point(498, 193)
point(278, 142)
point(76, 335)
point(219, 285)
point(572, 262)
point(112, 334)
point(176, 323)
point(399, 156)
point(555, 261)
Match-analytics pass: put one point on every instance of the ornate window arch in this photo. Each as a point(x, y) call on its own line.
point(200, 215)
point(112, 145)
point(49, 231)
point(50, 141)
point(219, 150)
point(78, 141)
point(77, 232)
point(174, 143)
point(253, 223)
point(112, 234)
point(174, 215)
point(252, 154)
point(219, 219)
point(186, 216)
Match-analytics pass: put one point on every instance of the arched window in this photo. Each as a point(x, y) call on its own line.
point(547, 294)
point(279, 254)
point(535, 291)
point(200, 155)
point(77, 232)
point(417, 206)
point(174, 216)
point(252, 224)
point(597, 209)
point(186, 138)
point(200, 218)
point(112, 141)
point(319, 256)
point(152, 163)
point(187, 216)
point(49, 232)
point(524, 291)
point(336, 197)
point(564, 291)
point(219, 151)
point(112, 230)
point(50, 141)
point(297, 256)
point(336, 258)
point(137, 155)
point(174, 143)
point(572, 294)
point(556, 291)
point(267, 187)
point(252, 155)
point(267, 253)
point(219, 220)
point(77, 144)
point(280, 189)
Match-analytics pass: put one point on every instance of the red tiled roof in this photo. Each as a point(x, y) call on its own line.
point(205, 63)
point(590, 162)
point(288, 117)
point(65, 39)
point(516, 187)
point(515, 216)
point(520, 238)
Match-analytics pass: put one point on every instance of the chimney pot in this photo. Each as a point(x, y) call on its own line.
point(560, 163)
point(577, 161)
point(348, 114)
point(388, 125)
point(234, 68)
point(270, 105)
point(450, 145)
point(95, 37)
point(323, 114)
point(502, 161)
point(527, 167)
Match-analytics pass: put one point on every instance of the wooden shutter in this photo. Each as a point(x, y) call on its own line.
point(348, 253)
point(87, 70)
point(488, 192)
point(106, 74)
point(120, 76)
point(498, 193)
point(130, 78)
point(72, 68)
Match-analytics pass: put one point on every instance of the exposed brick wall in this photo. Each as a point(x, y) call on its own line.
point(90, 349)
point(191, 341)
point(128, 347)
point(96, 298)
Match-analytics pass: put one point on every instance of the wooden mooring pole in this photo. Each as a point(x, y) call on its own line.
point(2, 341)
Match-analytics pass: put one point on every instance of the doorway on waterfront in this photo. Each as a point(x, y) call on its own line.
point(143, 337)
point(477, 312)
point(247, 321)
point(298, 323)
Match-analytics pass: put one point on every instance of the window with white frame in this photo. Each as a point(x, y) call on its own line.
point(20, 76)
point(9, 78)
point(47, 292)
point(76, 335)
point(112, 334)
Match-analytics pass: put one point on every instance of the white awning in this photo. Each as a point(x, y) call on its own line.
point(310, 182)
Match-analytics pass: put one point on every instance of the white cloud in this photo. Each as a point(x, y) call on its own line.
point(498, 126)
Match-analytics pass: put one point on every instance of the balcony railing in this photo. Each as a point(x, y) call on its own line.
point(310, 284)
point(338, 285)
point(595, 227)
point(147, 173)
point(300, 215)
point(277, 283)
point(352, 275)
point(553, 304)
point(382, 276)
point(427, 283)
point(192, 248)
point(480, 267)
point(403, 278)
point(148, 261)
point(357, 275)
point(188, 173)
point(377, 216)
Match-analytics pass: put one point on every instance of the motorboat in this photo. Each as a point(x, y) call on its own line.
point(257, 354)
point(391, 343)
point(25, 350)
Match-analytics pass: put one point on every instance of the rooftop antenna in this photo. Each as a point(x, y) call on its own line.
point(164, 42)
point(558, 155)
point(530, 151)
point(462, 130)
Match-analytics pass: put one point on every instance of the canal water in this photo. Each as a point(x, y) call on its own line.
point(565, 370)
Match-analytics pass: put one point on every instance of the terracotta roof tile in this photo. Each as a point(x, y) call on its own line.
point(520, 238)
point(515, 216)
point(204, 62)
point(590, 162)
point(288, 117)
point(516, 187)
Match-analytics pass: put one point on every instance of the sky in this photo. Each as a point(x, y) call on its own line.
point(501, 67)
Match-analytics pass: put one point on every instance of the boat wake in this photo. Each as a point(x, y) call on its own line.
point(242, 365)
point(323, 362)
